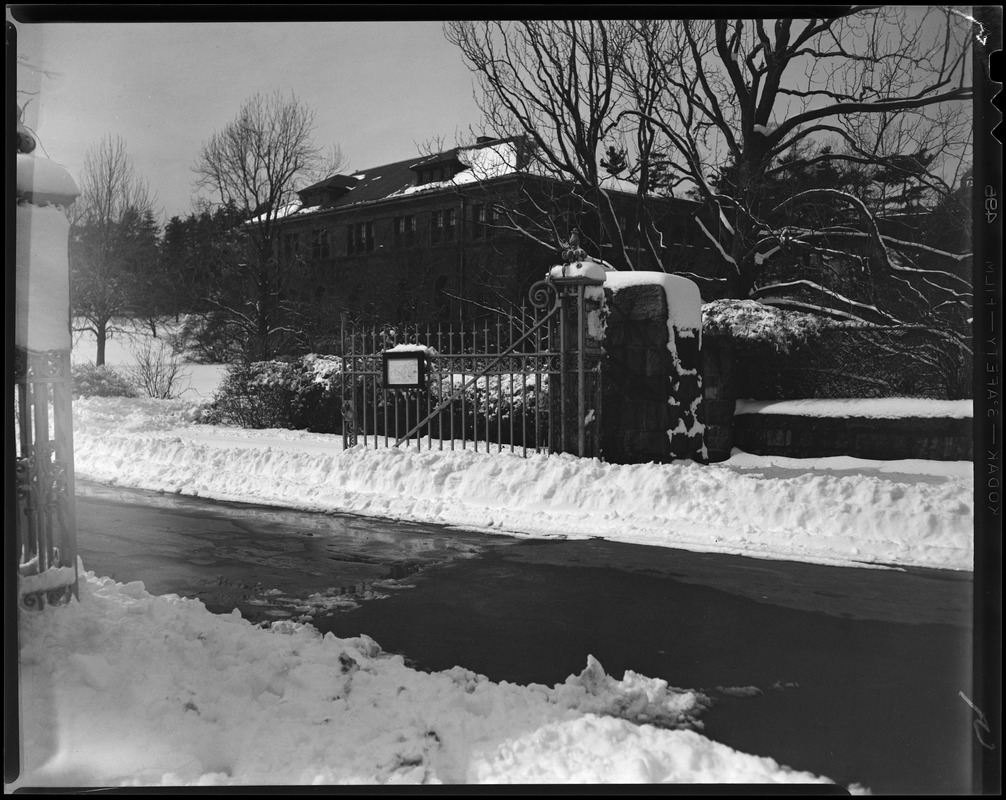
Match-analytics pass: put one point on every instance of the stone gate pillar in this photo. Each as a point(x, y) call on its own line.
point(652, 396)
point(43, 457)
point(720, 396)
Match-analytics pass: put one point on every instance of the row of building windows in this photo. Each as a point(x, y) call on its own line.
point(443, 229)
point(360, 236)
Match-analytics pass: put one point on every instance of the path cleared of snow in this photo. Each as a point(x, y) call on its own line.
point(911, 514)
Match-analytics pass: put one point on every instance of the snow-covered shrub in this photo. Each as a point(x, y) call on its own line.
point(104, 381)
point(500, 408)
point(782, 355)
point(298, 395)
point(751, 322)
point(505, 409)
point(309, 394)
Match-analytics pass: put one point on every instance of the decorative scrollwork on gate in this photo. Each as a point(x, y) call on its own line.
point(542, 294)
point(46, 366)
point(25, 481)
point(36, 601)
point(20, 365)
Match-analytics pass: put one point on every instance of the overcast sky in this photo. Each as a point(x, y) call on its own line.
point(379, 89)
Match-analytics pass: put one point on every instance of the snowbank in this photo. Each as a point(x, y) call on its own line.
point(129, 689)
point(817, 515)
point(875, 408)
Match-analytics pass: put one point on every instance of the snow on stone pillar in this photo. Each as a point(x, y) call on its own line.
point(46, 523)
point(652, 395)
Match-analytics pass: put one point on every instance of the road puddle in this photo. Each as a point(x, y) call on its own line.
point(269, 563)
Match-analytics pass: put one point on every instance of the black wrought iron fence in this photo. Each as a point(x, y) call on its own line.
point(484, 387)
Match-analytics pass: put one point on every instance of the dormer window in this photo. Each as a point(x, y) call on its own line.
point(438, 168)
point(328, 192)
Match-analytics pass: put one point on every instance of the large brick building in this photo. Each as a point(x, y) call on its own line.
point(438, 237)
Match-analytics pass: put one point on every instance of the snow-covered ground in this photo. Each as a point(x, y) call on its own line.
point(196, 382)
point(124, 688)
point(827, 511)
point(128, 689)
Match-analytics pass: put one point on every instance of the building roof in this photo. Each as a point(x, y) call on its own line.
point(486, 159)
point(334, 182)
point(369, 184)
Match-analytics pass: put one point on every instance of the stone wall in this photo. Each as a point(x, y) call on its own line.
point(719, 388)
point(940, 439)
point(652, 386)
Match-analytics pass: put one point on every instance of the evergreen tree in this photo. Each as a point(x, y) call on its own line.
point(614, 161)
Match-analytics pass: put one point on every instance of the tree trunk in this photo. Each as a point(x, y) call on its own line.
point(101, 334)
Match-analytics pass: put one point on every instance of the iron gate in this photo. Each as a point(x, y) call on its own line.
point(526, 381)
point(43, 470)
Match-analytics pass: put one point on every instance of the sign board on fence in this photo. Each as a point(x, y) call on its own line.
point(405, 369)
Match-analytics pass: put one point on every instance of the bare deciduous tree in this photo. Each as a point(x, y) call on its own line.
point(887, 87)
point(110, 239)
point(256, 163)
point(553, 83)
point(732, 109)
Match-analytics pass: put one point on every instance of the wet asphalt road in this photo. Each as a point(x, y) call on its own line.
point(850, 673)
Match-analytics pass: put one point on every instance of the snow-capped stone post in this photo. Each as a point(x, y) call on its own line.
point(652, 394)
point(576, 406)
point(46, 519)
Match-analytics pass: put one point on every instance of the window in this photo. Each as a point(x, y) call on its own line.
point(405, 231)
point(450, 221)
point(290, 246)
point(478, 221)
point(483, 220)
point(360, 238)
point(441, 300)
point(437, 227)
point(319, 244)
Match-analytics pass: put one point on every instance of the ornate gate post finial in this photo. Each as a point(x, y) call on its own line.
point(573, 252)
